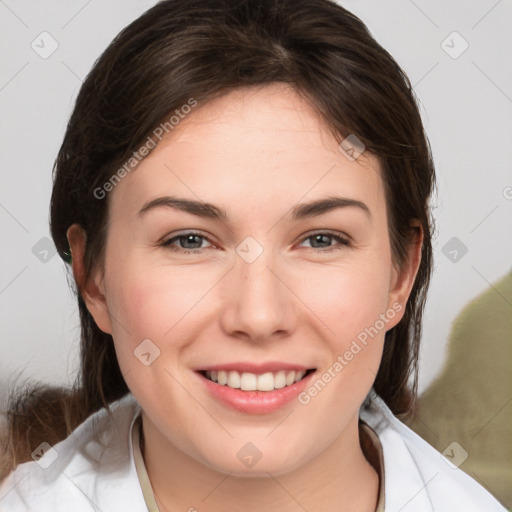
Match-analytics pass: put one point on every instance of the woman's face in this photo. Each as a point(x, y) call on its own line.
point(263, 279)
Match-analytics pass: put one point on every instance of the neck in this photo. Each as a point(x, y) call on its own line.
point(339, 478)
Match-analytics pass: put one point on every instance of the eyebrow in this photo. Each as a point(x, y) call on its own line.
point(210, 211)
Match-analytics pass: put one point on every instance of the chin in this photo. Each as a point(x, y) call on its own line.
point(257, 467)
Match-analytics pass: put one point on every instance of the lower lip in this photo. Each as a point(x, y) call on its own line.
point(256, 402)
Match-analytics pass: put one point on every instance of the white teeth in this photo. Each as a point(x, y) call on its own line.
point(248, 381)
point(222, 378)
point(299, 375)
point(280, 379)
point(252, 382)
point(265, 382)
point(234, 380)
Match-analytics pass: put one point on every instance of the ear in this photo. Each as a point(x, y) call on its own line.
point(92, 290)
point(402, 279)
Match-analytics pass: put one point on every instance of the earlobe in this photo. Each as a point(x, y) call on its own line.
point(91, 289)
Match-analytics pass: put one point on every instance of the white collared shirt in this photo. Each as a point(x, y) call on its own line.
point(94, 469)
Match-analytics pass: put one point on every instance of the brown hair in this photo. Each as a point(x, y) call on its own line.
point(201, 49)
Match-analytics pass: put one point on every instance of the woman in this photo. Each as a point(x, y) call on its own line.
point(236, 356)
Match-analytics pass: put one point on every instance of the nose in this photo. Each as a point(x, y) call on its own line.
point(259, 303)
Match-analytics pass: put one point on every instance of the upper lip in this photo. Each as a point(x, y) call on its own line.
point(256, 368)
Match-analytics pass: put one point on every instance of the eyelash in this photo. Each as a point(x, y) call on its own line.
point(342, 241)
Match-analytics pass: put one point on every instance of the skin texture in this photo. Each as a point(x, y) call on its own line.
point(256, 153)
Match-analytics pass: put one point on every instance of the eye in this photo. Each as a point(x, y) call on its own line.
point(189, 242)
point(322, 241)
point(192, 242)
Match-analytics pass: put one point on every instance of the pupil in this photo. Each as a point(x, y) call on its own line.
point(318, 238)
point(190, 238)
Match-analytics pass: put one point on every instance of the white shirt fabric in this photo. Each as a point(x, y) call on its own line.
point(93, 469)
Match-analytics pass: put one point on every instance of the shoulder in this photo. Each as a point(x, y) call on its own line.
point(417, 477)
point(95, 457)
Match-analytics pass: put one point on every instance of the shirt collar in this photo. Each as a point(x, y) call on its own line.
point(406, 487)
point(142, 474)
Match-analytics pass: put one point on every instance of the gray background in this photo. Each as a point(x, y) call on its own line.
point(466, 104)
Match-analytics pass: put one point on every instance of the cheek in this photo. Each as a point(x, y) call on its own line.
point(147, 307)
point(348, 298)
point(353, 303)
point(152, 302)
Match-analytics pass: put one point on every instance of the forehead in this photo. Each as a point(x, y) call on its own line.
point(252, 145)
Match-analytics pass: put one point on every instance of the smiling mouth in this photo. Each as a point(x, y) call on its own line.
point(247, 381)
